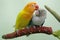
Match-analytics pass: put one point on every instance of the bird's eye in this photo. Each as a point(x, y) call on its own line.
point(32, 5)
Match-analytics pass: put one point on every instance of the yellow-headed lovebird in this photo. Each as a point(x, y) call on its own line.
point(25, 15)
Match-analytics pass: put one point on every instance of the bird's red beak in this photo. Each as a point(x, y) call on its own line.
point(36, 7)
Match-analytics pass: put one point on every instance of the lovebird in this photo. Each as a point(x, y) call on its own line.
point(25, 15)
point(38, 18)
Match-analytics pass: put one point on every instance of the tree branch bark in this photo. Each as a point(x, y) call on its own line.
point(26, 31)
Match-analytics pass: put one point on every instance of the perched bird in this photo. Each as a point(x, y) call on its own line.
point(38, 18)
point(25, 15)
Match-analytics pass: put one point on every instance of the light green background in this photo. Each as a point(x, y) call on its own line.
point(9, 10)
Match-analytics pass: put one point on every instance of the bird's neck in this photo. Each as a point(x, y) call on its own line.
point(29, 11)
point(28, 14)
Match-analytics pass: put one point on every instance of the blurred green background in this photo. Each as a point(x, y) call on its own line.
point(10, 8)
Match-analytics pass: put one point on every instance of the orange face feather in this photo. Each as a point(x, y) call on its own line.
point(31, 7)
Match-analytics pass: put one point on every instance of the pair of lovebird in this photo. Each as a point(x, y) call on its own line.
point(31, 15)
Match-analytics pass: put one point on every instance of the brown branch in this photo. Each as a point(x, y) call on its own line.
point(26, 31)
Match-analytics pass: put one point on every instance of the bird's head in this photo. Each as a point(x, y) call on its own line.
point(31, 7)
point(40, 12)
